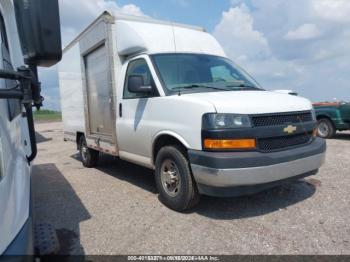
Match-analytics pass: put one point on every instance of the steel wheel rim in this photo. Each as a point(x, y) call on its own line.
point(170, 178)
point(323, 129)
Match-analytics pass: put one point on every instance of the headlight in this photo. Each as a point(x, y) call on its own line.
point(224, 121)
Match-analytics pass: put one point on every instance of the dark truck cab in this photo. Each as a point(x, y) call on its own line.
point(332, 117)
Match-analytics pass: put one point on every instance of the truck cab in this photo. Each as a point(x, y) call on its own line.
point(166, 96)
point(25, 44)
point(332, 117)
point(15, 217)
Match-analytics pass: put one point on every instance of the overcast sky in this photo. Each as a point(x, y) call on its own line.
point(303, 45)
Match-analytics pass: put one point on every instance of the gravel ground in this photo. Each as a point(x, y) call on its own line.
point(114, 209)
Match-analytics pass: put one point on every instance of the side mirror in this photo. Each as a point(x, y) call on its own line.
point(38, 25)
point(136, 85)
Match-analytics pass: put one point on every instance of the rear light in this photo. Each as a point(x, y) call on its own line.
point(229, 143)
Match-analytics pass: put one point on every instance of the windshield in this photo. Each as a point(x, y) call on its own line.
point(201, 73)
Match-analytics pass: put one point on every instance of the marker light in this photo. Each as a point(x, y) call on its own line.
point(229, 143)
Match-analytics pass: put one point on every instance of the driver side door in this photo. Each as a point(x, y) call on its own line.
point(134, 120)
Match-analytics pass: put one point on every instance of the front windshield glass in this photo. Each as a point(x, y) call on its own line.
point(201, 73)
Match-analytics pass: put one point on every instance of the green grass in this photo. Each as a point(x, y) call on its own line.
point(47, 116)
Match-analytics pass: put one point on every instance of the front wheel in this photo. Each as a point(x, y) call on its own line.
point(176, 186)
point(89, 157)
point(325, 128)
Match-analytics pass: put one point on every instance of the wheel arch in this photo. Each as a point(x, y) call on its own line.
point(324, 116)
point(167, 138)
point(78, 136)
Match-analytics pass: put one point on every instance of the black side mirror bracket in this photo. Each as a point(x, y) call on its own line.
point(29, 88)
point(29, 93)
point(38, 25)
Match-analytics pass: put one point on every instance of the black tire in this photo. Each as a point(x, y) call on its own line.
point(89, 157)
point(325, 128)
point(187, 195)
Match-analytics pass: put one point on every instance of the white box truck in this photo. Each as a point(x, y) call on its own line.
point(165, 96)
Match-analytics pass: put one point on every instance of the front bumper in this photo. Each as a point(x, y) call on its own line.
point(228, 171)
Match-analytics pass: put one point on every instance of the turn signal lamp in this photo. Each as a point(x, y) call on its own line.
point(229, 143)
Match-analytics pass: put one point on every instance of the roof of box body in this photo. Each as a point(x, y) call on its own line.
point(145, 35)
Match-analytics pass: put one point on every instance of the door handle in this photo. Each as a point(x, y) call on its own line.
point(120, 110)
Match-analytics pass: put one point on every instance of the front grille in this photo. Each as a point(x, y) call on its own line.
point(281, 119)
point(276, 143)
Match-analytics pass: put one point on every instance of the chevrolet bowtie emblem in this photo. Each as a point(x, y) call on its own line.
point(290, 129)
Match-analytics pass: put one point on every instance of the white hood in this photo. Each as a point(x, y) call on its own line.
point(253, 102)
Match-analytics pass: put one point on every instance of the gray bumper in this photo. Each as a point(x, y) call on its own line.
point(255, 175)
point(234, 169)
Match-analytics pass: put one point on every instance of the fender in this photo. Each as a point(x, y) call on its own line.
point(170, 133)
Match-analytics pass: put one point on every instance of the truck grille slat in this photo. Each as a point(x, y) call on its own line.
point(281, 119)
point(276, 143)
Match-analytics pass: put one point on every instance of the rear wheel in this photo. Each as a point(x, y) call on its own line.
point(325, 128)
point(89, 157)
point(176, 186)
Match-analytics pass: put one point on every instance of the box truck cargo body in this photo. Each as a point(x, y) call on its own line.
point(165, 96)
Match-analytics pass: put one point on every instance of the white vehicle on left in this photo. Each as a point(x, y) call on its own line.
point(25, 44)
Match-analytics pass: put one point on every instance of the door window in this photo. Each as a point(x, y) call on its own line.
point(139, 67)
point(14, 105)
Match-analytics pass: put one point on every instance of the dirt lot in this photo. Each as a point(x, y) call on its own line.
point(114, 209)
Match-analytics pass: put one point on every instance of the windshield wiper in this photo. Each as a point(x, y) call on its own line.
point(245, 87)
point(178, 88)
